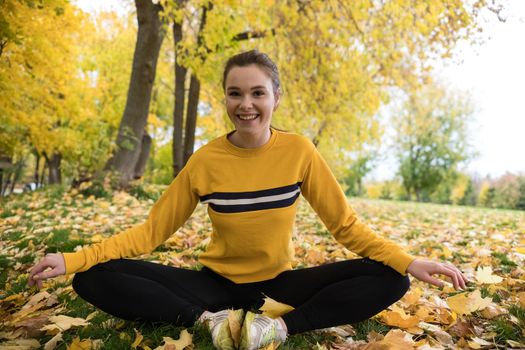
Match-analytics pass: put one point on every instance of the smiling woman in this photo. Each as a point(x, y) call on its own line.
point(251, 180)
point(251, 98)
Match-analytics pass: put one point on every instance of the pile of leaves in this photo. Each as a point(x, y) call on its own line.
point(487, 245)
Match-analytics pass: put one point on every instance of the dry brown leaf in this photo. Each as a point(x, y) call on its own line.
point(274, 309)
point(61, 323)
point(478, 343)
point(20, 344)
point(515, 344)
point(52, 343)
point(442, 336)
point(35, 299)
point(492, 311)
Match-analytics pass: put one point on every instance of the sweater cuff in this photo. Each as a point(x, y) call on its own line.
point(401, 261)
point(74, 261)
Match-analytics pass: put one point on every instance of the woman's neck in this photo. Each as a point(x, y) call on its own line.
point(244, 140)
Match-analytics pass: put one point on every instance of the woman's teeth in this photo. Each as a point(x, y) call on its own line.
point(247, 117)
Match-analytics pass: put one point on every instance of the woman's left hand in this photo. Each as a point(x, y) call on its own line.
point(424, 269)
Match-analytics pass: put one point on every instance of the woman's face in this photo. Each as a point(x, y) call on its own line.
point(250, 99)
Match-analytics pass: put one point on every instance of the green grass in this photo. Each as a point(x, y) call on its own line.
point(505, 330)
point(363, 328)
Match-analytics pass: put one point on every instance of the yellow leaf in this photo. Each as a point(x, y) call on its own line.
point(235, 327)
point(395, 339)
point(521, 297)
point(484, 275)
point(466, 303)
point(78, 344)
point(185, 340)
point(274, 309)
point(138, 339)
point(398, 318)
point(520, 250)
point(412, 296)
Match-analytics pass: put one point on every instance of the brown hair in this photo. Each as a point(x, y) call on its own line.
point(254, 57)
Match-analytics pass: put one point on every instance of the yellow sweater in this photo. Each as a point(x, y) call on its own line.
point(252, 200)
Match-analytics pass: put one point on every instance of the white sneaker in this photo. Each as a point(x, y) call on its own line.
point(219, 327)
point(259, 331)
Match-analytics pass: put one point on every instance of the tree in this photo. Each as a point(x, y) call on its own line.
point(131, 138)
point(431, 138)
point(40, 98)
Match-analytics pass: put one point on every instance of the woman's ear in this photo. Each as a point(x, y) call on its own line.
point(277, 97)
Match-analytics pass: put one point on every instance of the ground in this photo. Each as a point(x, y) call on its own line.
point(488, 245)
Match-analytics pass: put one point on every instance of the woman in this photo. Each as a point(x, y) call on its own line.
point(250, 179)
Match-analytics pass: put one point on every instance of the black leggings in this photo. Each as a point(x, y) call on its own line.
point(323, 296)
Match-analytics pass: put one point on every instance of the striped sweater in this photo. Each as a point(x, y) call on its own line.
point(252, 199)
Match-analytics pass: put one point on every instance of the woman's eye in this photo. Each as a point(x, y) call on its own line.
point(233, 93)
point(258, 93)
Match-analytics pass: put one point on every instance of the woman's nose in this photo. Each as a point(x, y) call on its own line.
point(246, 102)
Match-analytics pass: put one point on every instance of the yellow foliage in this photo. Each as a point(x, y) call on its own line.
point(274, 308)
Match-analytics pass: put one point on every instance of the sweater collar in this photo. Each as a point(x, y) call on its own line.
point(249, 152)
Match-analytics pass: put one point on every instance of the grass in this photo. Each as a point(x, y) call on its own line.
point(425, 231)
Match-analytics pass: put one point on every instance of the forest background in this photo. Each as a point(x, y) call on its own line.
point(82, 95)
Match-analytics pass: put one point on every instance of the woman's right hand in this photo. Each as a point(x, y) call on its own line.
point(50, 266)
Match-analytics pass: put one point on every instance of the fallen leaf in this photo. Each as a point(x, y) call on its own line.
point(484, 275)
point(467, 303)
point(521, 298)
point(274, 309)
point(442, 336)
point(52, 343)
point(138, 339)
point(478, 343)
point(62, 323)
point(492, 311)
point(398, 318)
point(515, 344)
point(395, 339)
point(185, 340)
point(20, 344)
point(78, 344)
point(235, 328)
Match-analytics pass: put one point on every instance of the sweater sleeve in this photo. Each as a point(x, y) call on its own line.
point(323, 192)
point(169, 213)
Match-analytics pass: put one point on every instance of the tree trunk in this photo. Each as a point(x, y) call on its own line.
point(149, 40)
point(178, 111)
point(143, 157)
point(191, 117)
point(53, 164)
point(193, 97)
point(36, 176)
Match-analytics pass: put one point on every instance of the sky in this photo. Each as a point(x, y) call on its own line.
point(494, 74)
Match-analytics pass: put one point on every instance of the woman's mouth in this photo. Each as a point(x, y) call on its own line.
point(247, 116)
